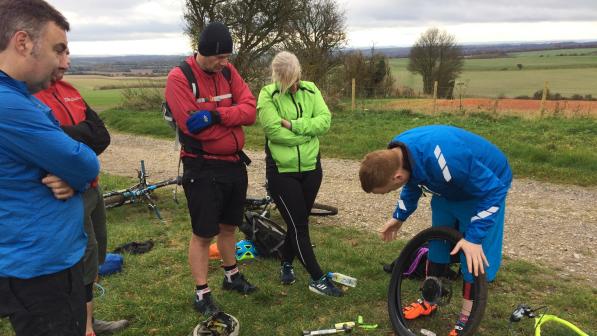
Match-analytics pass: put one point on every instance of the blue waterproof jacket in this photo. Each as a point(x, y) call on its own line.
point(39, 234)
point(457, 165)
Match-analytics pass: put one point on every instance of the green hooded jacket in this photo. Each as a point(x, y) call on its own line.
point(295, 150)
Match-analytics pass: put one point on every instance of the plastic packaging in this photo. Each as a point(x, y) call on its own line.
point(345, 325)
point(342, 279)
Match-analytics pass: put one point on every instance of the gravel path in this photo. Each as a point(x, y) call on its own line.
point(549, 223)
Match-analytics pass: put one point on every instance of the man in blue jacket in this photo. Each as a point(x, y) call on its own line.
point(469, 178)
point(42, 174)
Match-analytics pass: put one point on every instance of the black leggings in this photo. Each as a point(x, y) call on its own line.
point(294, 195)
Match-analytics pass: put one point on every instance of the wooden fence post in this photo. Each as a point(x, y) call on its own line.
point(434, 97)
point(354, 93)
point(544, 97)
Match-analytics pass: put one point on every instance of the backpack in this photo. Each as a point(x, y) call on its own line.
point(112, 264)
point(267, 236)
point(188, 73)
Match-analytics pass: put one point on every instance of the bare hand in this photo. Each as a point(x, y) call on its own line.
point(475, 258)
point(390, 229)
point(60, 188)
point(286, 124)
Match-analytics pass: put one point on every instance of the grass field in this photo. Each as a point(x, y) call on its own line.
point(91, 88)
point(155, 289)
point(496, 77)
point(573, 73)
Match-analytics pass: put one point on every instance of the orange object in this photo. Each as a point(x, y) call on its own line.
point(214, 253)
point(417, 309)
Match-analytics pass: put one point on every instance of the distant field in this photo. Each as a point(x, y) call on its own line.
point(496, 77)
point(573, 73)
point(90, 88)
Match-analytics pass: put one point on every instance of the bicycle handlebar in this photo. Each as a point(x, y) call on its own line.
point(257, 202)
point(523, 310)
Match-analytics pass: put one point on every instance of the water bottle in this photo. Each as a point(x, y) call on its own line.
point(342, 279)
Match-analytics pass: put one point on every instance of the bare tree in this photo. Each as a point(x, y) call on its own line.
point(257, 26)
point(373, 73)
point(436, 57)
point(316, 37)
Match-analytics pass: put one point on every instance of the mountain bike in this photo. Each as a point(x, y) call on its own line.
point(267, 203)
point(405, 289)
point(540, 319)
point(140, 192)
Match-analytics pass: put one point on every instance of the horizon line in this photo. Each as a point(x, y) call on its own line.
point(369, 47)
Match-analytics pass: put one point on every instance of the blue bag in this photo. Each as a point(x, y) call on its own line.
point(112, 264)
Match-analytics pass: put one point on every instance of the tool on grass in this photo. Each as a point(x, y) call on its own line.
point(345, 328)
point(361, 324)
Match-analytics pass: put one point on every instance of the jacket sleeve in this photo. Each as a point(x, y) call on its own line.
point(408, 202)
point(242, 112)
point(270, 120)
point(320, 121)
point(34, 138)
point(484, 185)
point(91, 131)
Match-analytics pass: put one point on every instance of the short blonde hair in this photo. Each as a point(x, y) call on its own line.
point(377, 168)
point(286, 70)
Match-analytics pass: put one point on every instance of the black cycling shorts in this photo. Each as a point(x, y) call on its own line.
point(216, 191)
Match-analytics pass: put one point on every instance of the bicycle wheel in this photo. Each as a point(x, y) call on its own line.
point(323, 210)
point(114, 200)
point(404, 290)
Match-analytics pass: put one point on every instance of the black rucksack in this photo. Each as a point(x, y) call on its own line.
point(188, 73)
point(267, 236)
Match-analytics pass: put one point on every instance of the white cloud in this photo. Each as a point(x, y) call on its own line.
point(122, 19)
point(477, 33)
point(142, 23)
point(363, 14)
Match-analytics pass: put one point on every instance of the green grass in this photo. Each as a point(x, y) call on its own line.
point(550, 149)
point(155, 289)
point(92, 88)
point(495, 77)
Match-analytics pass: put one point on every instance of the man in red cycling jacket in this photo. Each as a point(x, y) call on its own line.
point(81, 123)
point(212, 139)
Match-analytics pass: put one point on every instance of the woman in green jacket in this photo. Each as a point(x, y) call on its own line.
point(293, 114)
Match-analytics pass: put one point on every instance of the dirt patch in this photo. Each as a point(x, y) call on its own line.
point(526, 108)
point(555, 225)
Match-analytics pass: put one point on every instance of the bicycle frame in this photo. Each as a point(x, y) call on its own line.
point(139, 192)
point(540, 319)
point(544, 318)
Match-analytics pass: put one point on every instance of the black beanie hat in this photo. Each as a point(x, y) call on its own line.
point(215, 39)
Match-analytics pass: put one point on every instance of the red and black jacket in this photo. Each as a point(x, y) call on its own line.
point(76, 118)
point(222, 141)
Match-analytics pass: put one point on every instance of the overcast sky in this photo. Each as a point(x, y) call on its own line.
point(122, 27)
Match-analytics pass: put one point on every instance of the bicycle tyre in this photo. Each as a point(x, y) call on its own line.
point(113, 201)
point(402, 263)
point(322, 210)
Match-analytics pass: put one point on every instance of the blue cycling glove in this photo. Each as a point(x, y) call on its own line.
point(201, 120)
